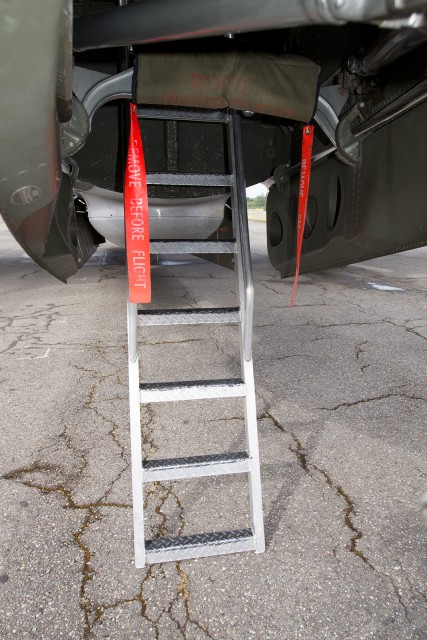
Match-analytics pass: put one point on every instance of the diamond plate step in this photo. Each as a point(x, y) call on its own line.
point(196, 466)
point(192, 246)
point(199, 545)
point(160, 318)
point(190, 179)
point(188, 115)
point(198, 390)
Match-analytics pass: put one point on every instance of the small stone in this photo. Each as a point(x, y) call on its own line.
point(4, 578)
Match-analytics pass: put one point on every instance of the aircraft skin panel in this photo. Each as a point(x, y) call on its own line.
point(380, 208)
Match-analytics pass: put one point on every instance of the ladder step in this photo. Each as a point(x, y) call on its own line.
point(199, 545)
point(189, 115)
point(228, 315)
point(198, 390)
point(196, 466)
point(190, 179)
point(192, 246)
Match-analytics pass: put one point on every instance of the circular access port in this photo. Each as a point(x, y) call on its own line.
point(311, 217)
point(275, 229)
point(334, 200)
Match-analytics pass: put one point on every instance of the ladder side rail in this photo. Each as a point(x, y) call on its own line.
point(240, 221)
point(252, 445)
point(235, 205)
point(135, 434)
point(246, 296)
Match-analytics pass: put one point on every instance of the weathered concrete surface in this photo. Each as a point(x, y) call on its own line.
point(342, 397)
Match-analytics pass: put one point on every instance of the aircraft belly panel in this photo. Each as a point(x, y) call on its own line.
point(357, 213)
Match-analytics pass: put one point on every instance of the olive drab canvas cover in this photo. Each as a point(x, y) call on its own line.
point(277, 85)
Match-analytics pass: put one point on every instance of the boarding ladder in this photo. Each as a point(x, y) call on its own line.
point(220, 542)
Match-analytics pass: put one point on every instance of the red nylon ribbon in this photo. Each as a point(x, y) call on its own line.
point(137, 216)
point(304, 184)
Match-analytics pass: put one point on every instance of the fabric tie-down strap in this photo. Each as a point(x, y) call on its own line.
point(304, 185)
point(137, 217)
point(277, 85)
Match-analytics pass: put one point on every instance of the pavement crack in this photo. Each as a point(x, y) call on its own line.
point(87, 572)
point(412, 587)
point(384, 396)
point(350, 510)
point(20, 474)
point(348, 324)
point(296, 448)
point(91, 514)
point(223, 350)
point(100, 609)
point(397, 592)
point(349, 513)
point(405, 327)
point(230, 419)
point(183, 591)
point(263, 284)
point(188, 340)
point(148, 442)
point(359, 348)
point(308, 467)
point(412, 330)
point(287, 357)
point(76, 452)
point(29, 329)
point(90, 404)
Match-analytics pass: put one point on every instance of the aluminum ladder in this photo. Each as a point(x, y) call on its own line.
point(220, 542)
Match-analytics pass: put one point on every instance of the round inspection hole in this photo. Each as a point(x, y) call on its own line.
point(275, 229)
point(334, 200)
point(311, 217)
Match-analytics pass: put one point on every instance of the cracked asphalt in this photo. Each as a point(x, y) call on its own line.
point(341, 397)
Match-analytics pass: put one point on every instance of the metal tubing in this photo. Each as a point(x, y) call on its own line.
point(255, 491)
point(326, 118)
point(397, 108)
point(159, 20)
point(110, 88)
point(132, 331)
point(409, 100)
point(388, 48)
point(240, 219)
point(135, 435)
point(246, 298)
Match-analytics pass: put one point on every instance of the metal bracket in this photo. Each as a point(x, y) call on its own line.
point(111, 88)
point(348, 147)
point(75, 132)
point(412, 98)
point(326, 118)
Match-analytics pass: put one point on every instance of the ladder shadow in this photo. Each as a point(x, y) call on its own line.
point(278, 507)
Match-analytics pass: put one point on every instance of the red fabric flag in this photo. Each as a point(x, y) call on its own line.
point(304, 183)
point(137, 217)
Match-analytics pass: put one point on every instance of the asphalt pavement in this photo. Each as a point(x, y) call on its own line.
point(341, 398)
